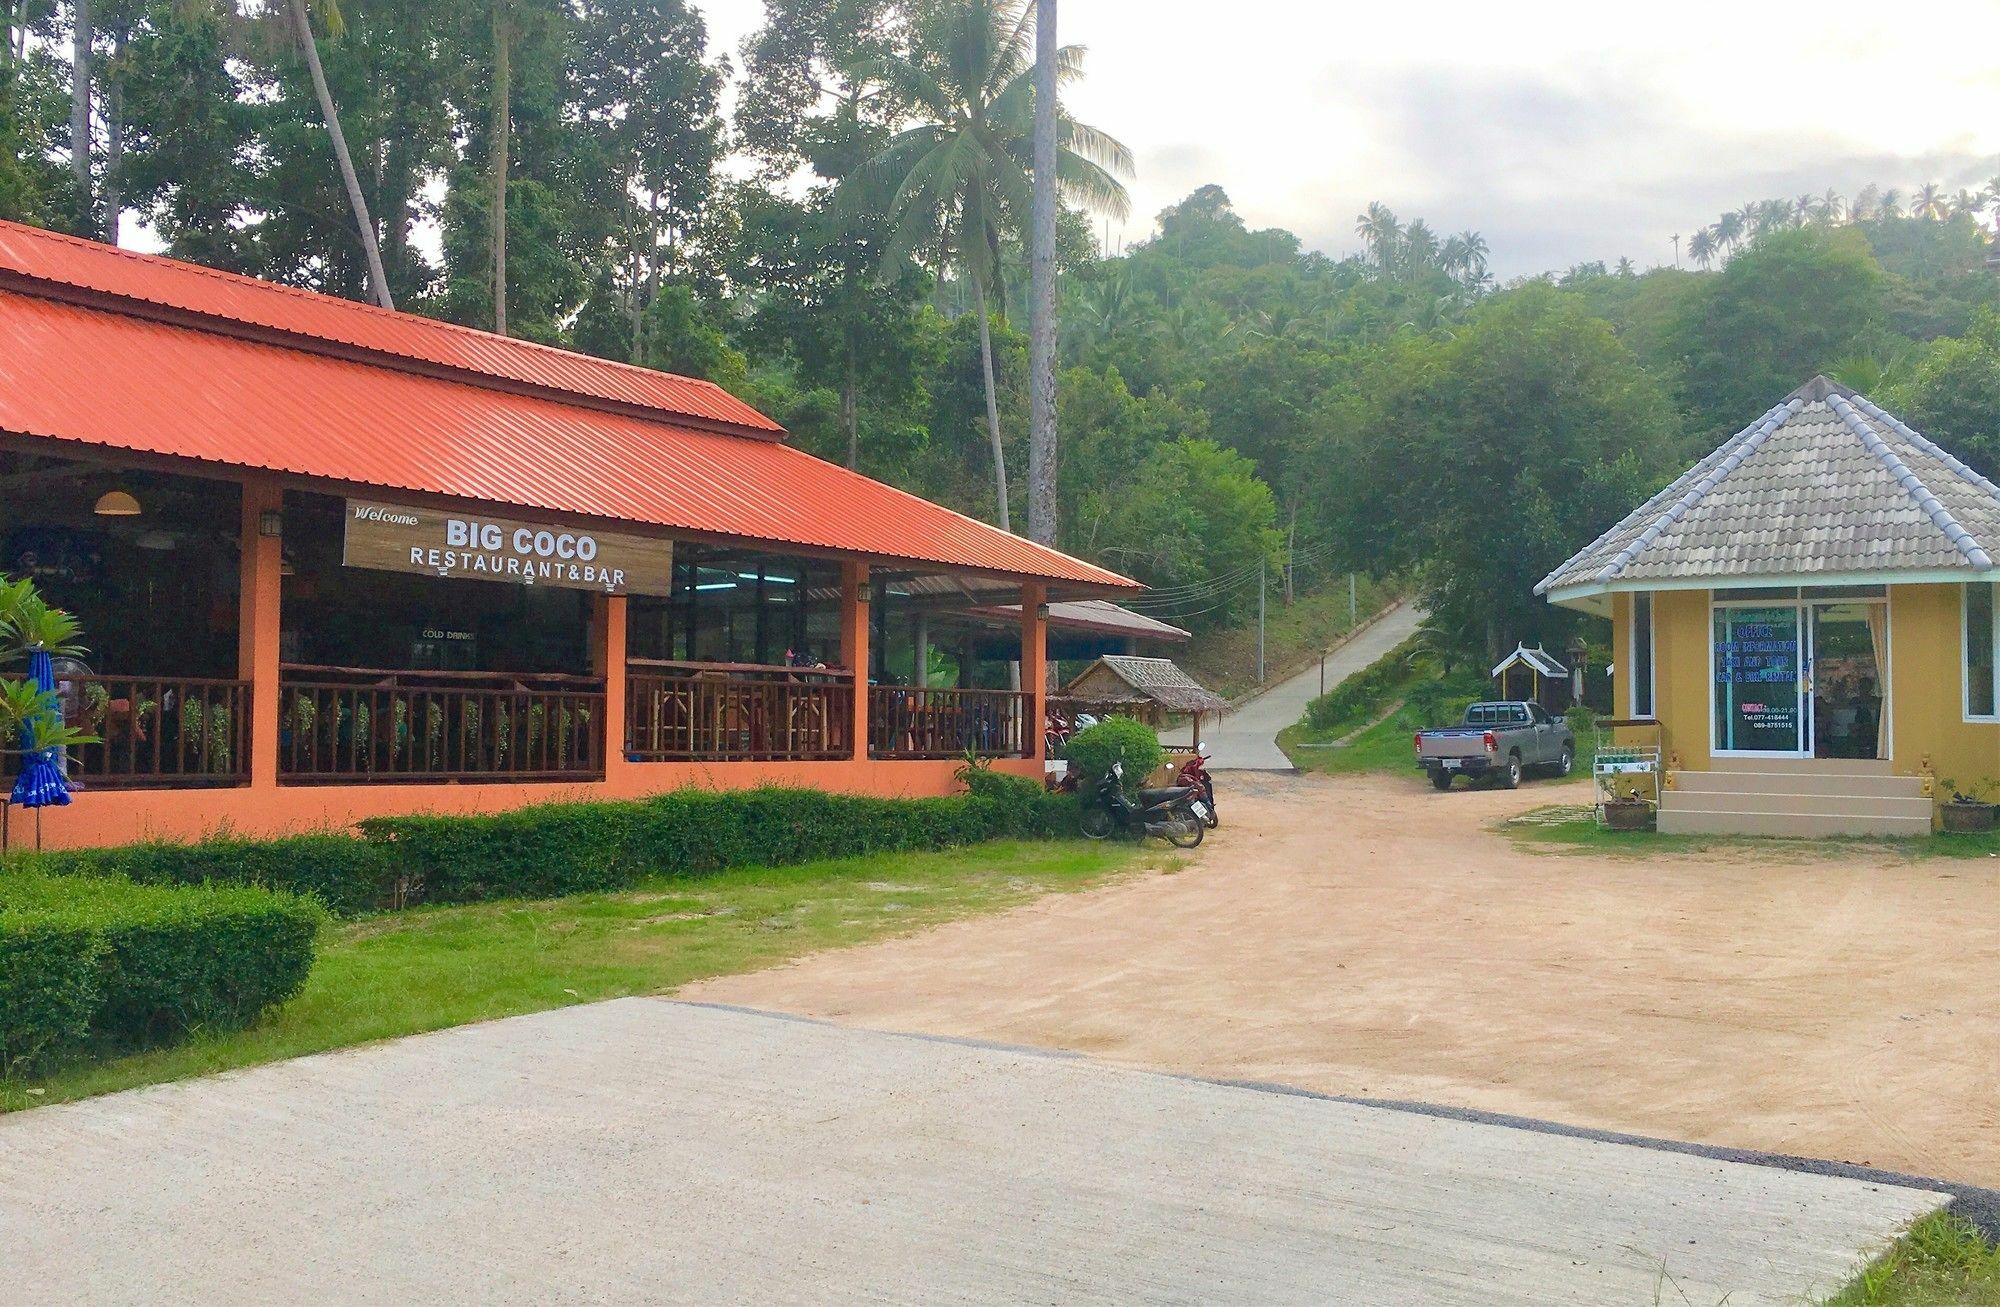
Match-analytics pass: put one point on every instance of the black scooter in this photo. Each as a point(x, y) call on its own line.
point(1167, 813)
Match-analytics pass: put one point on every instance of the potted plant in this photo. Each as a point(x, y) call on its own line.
point(1967, 811)
point(1625, 810)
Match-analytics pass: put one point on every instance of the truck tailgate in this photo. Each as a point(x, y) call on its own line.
point(1461, 743)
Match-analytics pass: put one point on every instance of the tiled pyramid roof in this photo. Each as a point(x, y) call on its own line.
point(1825, 483)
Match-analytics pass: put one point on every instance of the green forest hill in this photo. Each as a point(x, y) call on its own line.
point(818, 242)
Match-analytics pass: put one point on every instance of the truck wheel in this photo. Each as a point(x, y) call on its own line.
point(1440, 779)
point(1566, 762)
point(1511, 777)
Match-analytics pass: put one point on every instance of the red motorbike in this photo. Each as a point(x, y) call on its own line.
point(1194, 773)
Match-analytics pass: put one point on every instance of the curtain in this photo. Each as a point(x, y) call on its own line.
point(1878, 635)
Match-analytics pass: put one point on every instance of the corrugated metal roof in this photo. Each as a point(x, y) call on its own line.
point(1826, 482)
point(94, 377)
point(231, 299)
point(1099, 615)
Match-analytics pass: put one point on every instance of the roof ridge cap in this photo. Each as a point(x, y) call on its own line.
point(1925, 443)
point(1961, 539)
point(1543, 585)
point(1747, 442)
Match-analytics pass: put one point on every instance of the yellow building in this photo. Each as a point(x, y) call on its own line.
point(1809, 615)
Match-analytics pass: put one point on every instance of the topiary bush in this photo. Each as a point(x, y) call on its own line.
point(103, 962)
point(1093, 750)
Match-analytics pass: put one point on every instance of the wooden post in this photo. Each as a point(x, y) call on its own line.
point(920, 671)
point(854, 606)
point(258, 619)
point(608, 653)
point(1034, 669)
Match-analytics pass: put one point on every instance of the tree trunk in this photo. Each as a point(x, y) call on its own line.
point(114, 136)
point(503, 126)
point(992, 400)
point(848, 415)
point(81, 35)
point(1042, 449)
point(378, 281)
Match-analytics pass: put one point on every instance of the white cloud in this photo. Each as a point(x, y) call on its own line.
point(1562, 130)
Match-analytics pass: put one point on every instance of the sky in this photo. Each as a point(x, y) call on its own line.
point(1563, 132)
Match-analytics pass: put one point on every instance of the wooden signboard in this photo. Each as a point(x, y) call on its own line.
point(433, 542)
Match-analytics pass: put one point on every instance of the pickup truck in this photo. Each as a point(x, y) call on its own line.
point(1497, 739)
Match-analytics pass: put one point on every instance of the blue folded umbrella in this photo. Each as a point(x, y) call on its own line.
point(41, 783)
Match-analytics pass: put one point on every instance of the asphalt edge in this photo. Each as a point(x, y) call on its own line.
point(1977, 1204)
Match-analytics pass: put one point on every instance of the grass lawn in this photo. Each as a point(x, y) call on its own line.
point(1385, 746)
point(1943, 1262)
point(1576, 828)
point(428, 968)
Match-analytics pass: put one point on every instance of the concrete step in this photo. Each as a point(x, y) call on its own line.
point(1695, 821)
point(1807, 766)
point(1912, 805)
point(1864, 785)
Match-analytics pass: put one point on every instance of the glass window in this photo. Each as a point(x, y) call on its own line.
point(1642, 655)
point(1757, 698)
point(1979, 697)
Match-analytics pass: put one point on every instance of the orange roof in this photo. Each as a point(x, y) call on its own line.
point(112, 374)
point(58, 261)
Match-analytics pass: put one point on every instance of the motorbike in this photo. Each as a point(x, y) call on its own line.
point(1167, 813)
point(1194, 772)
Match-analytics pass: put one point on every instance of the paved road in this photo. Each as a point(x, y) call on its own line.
point(649, 1151)
point(1247, 739)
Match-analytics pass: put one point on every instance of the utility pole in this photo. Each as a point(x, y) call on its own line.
point(1262, 570)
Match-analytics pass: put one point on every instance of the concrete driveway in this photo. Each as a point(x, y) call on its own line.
point(1246, 737)
point(650, 1151)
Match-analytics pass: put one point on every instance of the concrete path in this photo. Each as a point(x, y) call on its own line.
point(651, 1151)
point(1246, 739)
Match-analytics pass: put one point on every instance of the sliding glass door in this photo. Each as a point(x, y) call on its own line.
point(1759, 681)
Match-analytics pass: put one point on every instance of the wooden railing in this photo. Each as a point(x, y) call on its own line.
point(912, 723)
point(683, 712)
point(347, 724)
point(154, 732)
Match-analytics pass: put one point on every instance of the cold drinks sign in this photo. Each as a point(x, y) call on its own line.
point(393, 538)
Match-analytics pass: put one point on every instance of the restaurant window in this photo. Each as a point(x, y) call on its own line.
point(1641, 661)
point(1980, 639)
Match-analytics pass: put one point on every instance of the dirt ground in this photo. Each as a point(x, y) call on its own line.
point(1367, 936)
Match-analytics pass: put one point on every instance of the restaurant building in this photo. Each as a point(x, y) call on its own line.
point(1806, 621)
point(333, 561)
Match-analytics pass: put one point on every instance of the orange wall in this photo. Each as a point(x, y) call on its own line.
point(101, 817)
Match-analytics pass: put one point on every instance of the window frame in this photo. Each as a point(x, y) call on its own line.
point(1631, 668)
point(1965, 650)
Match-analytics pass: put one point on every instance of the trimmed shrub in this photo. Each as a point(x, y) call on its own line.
point(348, 875)
point(556, 849)
point(1365, 694)
point(1093, 749)
point(103, 961)
point(1582, 722)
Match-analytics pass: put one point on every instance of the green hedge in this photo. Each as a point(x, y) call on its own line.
point(103, 962)
point(554, 849)
point(347, 874)
point(1365, 694)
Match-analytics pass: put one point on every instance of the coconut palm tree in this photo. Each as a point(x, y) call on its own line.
point(1729, 230)
point(1803, 209)
point(1890, 205)
point(378, 280)
point(1702, 246)
point(1830, 206)
point(956, 181)
point(1625, 268)
point(1420, 248)
point(1929, 202)
point(1378, 227)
